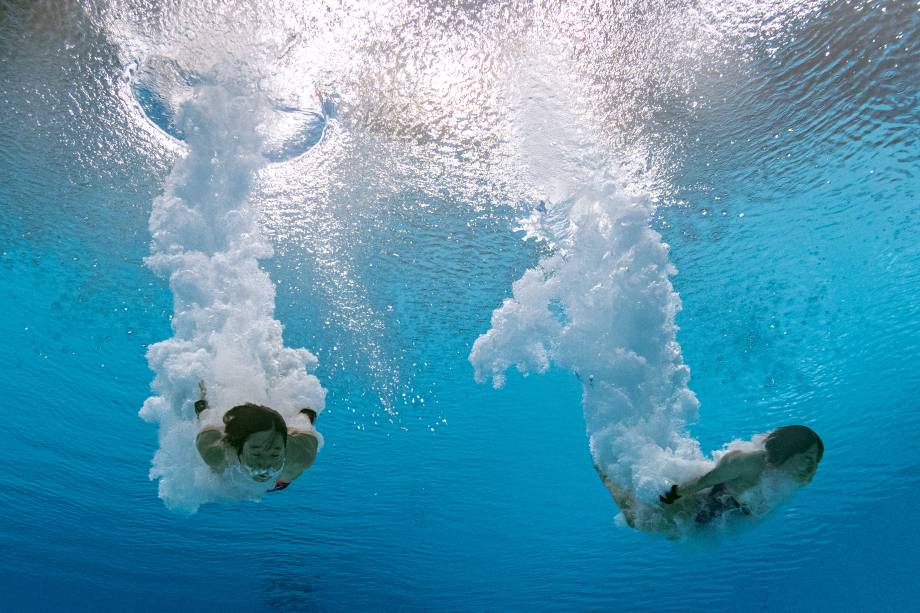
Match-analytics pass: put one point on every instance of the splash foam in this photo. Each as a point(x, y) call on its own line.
point(602, 306)
point(601, 303)
point(207, 243)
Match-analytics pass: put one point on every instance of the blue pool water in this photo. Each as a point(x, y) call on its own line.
point(775, 150)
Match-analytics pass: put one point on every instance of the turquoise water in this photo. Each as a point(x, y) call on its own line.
point(779, 144)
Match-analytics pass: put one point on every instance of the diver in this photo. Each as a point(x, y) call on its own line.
point(257, 440)
point(789, 452)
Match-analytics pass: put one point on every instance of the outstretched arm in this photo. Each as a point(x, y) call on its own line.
point(733, 465)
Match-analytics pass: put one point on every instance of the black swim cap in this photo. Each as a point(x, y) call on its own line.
point(243, 420)
point(785, 442)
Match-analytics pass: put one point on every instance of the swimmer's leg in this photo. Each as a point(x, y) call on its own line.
point(624, 499)
point(638, 514)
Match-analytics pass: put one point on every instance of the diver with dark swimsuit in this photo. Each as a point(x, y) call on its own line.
point(791, 453)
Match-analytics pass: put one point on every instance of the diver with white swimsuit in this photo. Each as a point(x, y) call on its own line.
point(256, 440)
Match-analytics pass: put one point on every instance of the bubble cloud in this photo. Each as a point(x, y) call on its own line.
point(207, 243)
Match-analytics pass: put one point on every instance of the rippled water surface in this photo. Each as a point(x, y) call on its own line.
point(415, 160)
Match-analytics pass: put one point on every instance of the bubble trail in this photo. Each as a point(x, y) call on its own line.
point(207, 243)
point(600, 303)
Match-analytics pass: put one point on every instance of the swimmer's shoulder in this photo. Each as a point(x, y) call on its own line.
point(302, 447)
point(744, 465)
point(211, 448)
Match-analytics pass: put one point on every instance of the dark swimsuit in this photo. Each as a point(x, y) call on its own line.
point(718, 502)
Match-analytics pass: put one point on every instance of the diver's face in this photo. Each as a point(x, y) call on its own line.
point(802, 466)
point(263, 452)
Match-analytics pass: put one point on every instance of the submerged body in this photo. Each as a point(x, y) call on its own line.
point(258, 441)
point(791, 453)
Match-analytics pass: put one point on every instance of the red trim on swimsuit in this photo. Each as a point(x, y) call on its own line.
point(280, 485)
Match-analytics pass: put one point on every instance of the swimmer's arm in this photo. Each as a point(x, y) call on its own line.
point(211, 448)
point(300, 454)
point(733, 465)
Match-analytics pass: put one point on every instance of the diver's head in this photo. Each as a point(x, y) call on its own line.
point(795, 450)
point(259, 436)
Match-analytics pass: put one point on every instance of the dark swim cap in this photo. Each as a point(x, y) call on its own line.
point(785, 442)
point(243, 420)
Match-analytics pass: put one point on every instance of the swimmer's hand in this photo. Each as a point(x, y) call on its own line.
point(310, 413)
point(201, 404)
point(670, 496)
